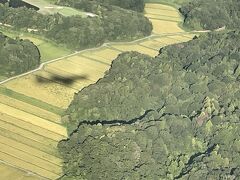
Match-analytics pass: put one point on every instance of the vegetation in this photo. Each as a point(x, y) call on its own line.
point(32, 101)
point(112, 23)
point(173, 116)
point(94, 5)
point(17, 56)
point(202, 14)
point(48, 49)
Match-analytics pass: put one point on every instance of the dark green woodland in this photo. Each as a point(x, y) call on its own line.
point(175, 116)
point(17, 56)
point(111, 23)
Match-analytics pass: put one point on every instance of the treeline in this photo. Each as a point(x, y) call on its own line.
point(202, 14)
point(17, 56)
point(175, 116)
point(94, 5)
point(75, 32)
point(20, 3)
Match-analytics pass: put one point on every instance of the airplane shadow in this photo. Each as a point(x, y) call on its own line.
point(69, 80)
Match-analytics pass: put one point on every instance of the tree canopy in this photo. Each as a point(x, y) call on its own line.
point(111, 23)
point(202, 14)
point(17, 56)
point(174, 116)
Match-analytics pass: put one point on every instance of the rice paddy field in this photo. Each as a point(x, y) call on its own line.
point(8, 172)
point(31, 106)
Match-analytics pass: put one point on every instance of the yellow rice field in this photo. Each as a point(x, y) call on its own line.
point(25, 156)
point(30, 127)
point(27, 141)
point(30, 108)
point(162, 17)
point(180, 38)
point(159, 6)
point(106, 53)
point(33, 119)
point(171, 13)
point(11, 173)
point(166, 40)
point(190, 36)
point(79, 67)
point(53, 76)
point(90, 55)
point(138, 48)
point(52, 93)
point(28, 149)
point(152, 44)
point(15, 161)
point(162, 26)
point(25, 133)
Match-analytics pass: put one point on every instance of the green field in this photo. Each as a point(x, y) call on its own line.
point(46, 7)
point(48, 49)
point(30, 100)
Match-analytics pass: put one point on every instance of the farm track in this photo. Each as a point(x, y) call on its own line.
point(29, 134)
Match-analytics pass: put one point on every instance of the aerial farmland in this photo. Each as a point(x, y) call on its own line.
point(39, 119)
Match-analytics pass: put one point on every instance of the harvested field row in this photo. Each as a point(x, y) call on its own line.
point(162, 12)
point(30, 127)
point(27, 134)
point(153, 44)
point(105, 53)
point(180, 38)
point(33, 119)
point(159, 6)
point(14, 160)
point(29, 158)
point(96, 58)
point(30, 100)
point(52, 93)
point(135, 47)
point(85, 73)
point(10, 173)
point(30, 150)
point(166, 40)
point(26, 107)
point(29, 142)
point(163, 26)
point(161, 17)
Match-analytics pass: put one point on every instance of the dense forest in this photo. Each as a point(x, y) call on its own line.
point(17, 56)
point(112, 23)
point(202, 14)
point(175, 116)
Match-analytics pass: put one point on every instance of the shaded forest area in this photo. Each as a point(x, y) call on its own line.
point(202, 14)
point(17, 56)
point(175, 116)
point(112, 23)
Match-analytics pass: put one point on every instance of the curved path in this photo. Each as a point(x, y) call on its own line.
point(30, 127)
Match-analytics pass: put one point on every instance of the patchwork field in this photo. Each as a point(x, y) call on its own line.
point(165, 19)
point(31, 106)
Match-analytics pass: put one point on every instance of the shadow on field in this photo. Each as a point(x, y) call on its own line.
point(63, 80)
